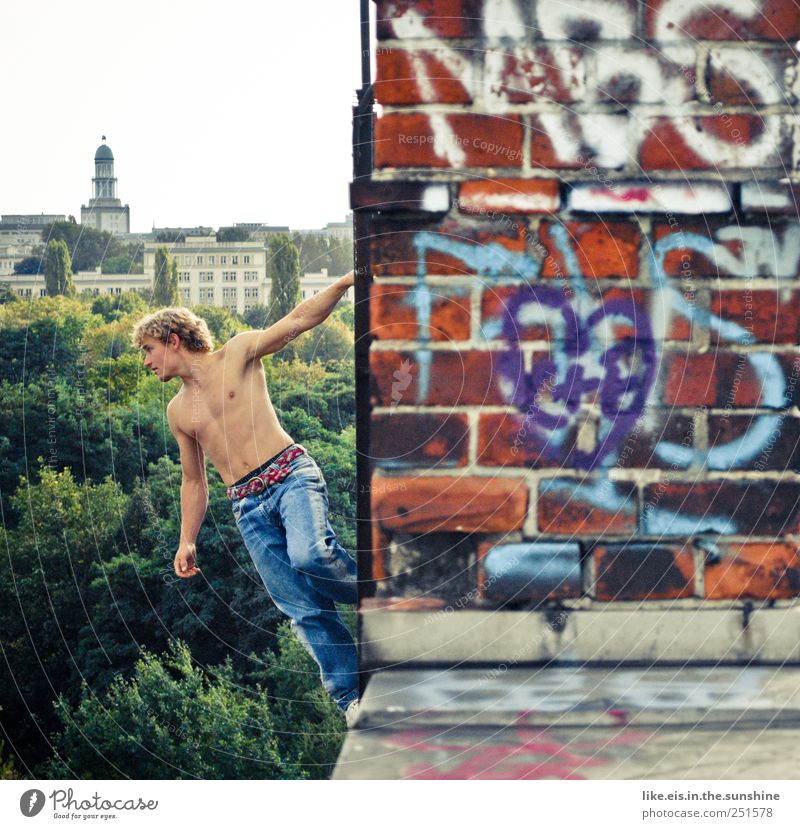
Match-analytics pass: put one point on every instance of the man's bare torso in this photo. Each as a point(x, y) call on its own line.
point(226, 408)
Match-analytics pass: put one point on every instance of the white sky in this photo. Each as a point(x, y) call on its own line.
point(216, 112)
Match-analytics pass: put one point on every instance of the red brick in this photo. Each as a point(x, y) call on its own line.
point(637, 450)
point(457, 378)
point(690, 379)
point(407, 140)
point(528, 73)
point(399, 196)
point(495, 304)
point(380, 548)
point(443, 18)
point(763, 507)
point(449, 504)
point(393, 252)
point(776, 20)
point(664, 147)
point(543, 153)
point(509, 195)
point(724, 379)
point(514, 440)
point(393, 315)
point(754, 571)
point(603, 249)
point(639, 74)
point(780, 451)
point(771, 316)
point(775, 239)
point(732, 88)
point(643, 571)
point(398, 82)
point(738, 383)
point(402, 439)
point(564, 509)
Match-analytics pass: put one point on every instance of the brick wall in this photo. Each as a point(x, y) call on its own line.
point(583, 249)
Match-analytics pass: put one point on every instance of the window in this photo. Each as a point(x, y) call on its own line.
point(247, 308)
point(206, 295)
point(223, 260)
point(206, 276)
point(187, 260)
point(186, 293)
point(186, 276)
point(199, 260)
point(246, 260)
point(251, 293)
point(231, 308)
point(212, 260)
point(43, 291)
point(251, 276)
point(229, 276)
point(234, 260)
point(229, 293)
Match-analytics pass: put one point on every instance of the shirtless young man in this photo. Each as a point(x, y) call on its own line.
point(278, 493)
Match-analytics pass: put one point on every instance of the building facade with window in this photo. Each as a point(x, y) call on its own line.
point(232, 275)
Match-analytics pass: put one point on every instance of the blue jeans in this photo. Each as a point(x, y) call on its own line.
point(305, 569)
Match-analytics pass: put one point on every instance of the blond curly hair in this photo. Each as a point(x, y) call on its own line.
point(191, 329)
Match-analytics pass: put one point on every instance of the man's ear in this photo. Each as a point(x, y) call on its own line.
point(174, 340)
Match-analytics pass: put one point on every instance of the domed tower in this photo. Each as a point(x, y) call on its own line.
point(105, 211)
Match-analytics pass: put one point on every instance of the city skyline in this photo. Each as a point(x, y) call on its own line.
point(206, 150)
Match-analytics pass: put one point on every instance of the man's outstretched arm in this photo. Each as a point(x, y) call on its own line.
point(308, 314)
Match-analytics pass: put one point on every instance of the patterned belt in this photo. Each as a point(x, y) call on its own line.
point(273, 474)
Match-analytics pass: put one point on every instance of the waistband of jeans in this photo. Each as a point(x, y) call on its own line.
point(262, 476)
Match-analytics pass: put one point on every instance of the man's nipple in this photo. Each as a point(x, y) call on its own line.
point(231, 394)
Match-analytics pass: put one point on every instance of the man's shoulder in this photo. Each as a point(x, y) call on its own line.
point(173, 405)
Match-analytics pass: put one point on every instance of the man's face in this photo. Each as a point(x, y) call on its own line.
point(160, 357)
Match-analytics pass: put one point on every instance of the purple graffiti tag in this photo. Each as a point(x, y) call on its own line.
point(622, 394)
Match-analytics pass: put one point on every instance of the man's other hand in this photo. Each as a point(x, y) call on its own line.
point(185, 561)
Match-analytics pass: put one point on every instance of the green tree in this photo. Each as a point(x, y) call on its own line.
point(345, 312)
point(311, 728)
point(285, 276)
point(58, 269)
point(233, 234)
point(6, 764)
point(171, 720)
point(29, 265)
point(44, 578)
point(221, 323)
point(331, 340)
point(257, 317)
point(88, 247)
point(165, 279)
point(112, 307)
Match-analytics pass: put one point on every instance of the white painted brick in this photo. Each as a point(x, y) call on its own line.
point(666, 197)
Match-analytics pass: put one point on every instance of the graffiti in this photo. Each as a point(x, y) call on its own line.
point(511, 72)
point(589, 361)
point(620, 375)
point(524, 754)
